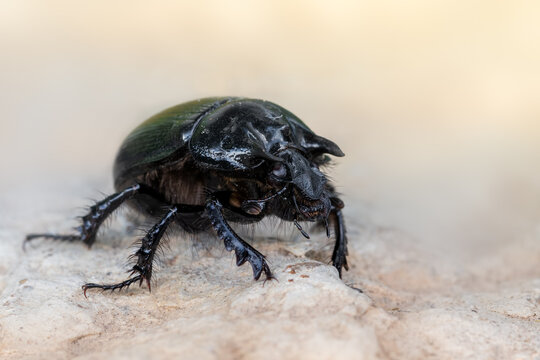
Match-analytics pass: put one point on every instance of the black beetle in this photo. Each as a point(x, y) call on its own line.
point(208, 162)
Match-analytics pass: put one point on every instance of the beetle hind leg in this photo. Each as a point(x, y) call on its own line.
point(243, 251)
point(145, 256)
point(112, 287)
point(31, 237)
point(91, 222)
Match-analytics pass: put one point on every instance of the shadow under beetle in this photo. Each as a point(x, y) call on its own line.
point(208, 162)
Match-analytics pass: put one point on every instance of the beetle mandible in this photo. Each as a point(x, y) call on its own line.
point(208, 162)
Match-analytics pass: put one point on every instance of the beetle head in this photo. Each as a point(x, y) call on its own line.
point(307, 195)
point(303, 174)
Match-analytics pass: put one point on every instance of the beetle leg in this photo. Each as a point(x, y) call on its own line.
point(339, 255)
point(93, 220)
point(243, 251)
point(145, 256)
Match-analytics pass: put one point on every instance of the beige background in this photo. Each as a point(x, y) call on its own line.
point(435, 104)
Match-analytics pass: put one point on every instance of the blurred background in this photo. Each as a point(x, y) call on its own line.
point(435, 103)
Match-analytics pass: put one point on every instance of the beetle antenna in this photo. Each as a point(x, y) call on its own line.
point(326, 226)
point(268, 198)
point(306, 235)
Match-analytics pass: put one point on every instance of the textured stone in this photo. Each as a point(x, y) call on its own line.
point(202, 306)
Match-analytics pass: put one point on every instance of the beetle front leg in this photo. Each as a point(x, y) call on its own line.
point(92, 221)
point(145, 256)
point(243, 251)
point(339, 255)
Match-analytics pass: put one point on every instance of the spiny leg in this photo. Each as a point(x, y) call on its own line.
point(243, 251)
point(145, 256)
point(339, 255)
point(93, 220)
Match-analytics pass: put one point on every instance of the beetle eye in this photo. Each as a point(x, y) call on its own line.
point(279, 170)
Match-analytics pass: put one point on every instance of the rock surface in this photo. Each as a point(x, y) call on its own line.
point(396, 302)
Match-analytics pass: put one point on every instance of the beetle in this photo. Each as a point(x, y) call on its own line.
point(208, 162)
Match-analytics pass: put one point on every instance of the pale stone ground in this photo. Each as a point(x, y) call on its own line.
point(412, 304)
